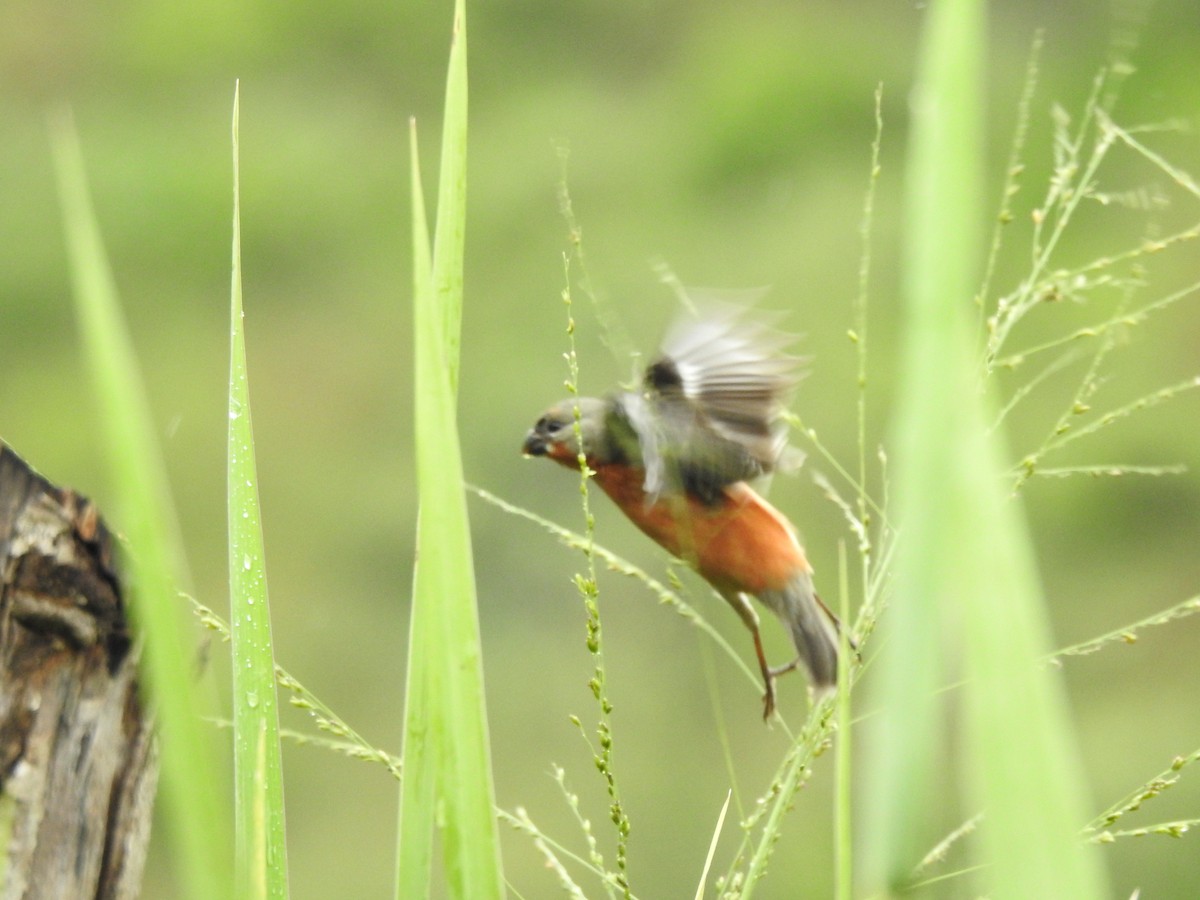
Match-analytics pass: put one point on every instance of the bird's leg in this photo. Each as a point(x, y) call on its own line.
point(741, 605)
point(768, 675)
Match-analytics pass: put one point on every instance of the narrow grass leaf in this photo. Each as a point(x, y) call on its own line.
point(966, 577)
point(261, 855)
point(712, 846)
point(907, 747)
point(447, 780)
point(450, 228)
point(192, 787)
point(423, 725)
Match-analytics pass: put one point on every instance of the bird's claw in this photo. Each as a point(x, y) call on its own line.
point(769, 701)
point(769, 676)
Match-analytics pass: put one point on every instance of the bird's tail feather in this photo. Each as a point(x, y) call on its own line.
point(814, 629)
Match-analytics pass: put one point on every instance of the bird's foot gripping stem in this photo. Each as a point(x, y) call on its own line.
point(741, 604)
point(770, 673)
point(769, 700)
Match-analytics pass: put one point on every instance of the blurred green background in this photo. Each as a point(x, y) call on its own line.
point(731, 140)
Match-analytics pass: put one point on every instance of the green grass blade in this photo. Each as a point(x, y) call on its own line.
point(966, 576)
point(422, 261)
point(196, 818)
point(447, 778)
point(712, 846)
point(423, 727)
point(261, 854)
point(935, 395)
point(450, 229)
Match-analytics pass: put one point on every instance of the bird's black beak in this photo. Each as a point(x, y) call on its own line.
point(535, 444)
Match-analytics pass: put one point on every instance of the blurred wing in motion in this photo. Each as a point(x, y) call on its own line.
point(711, 409)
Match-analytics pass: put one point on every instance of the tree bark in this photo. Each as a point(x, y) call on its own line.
point(78, 765)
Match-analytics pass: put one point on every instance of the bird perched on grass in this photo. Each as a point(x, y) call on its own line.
point(676, 454)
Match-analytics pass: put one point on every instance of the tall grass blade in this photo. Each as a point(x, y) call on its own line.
point(423, 726)
point(451, 224)
point(260, 848)
point(447, 780)
point(712, 846)
point(192, 788)
point(966, 578)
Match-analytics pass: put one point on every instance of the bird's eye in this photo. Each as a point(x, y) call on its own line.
point(547, 425)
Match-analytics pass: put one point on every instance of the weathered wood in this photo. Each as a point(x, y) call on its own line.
point(78, 767)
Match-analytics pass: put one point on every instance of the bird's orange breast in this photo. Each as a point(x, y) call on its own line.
point(740, 543)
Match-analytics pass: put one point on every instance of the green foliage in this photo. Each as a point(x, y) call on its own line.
point(653, 174)
point(447, 785)
point(260, 847)
point(146, 515)
point(965, 576)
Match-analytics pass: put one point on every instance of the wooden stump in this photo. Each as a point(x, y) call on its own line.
point(78, 766)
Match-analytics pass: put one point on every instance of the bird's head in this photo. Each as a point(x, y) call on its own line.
point(554, 434)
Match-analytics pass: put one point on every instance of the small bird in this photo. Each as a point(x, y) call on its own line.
point(675, 456)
